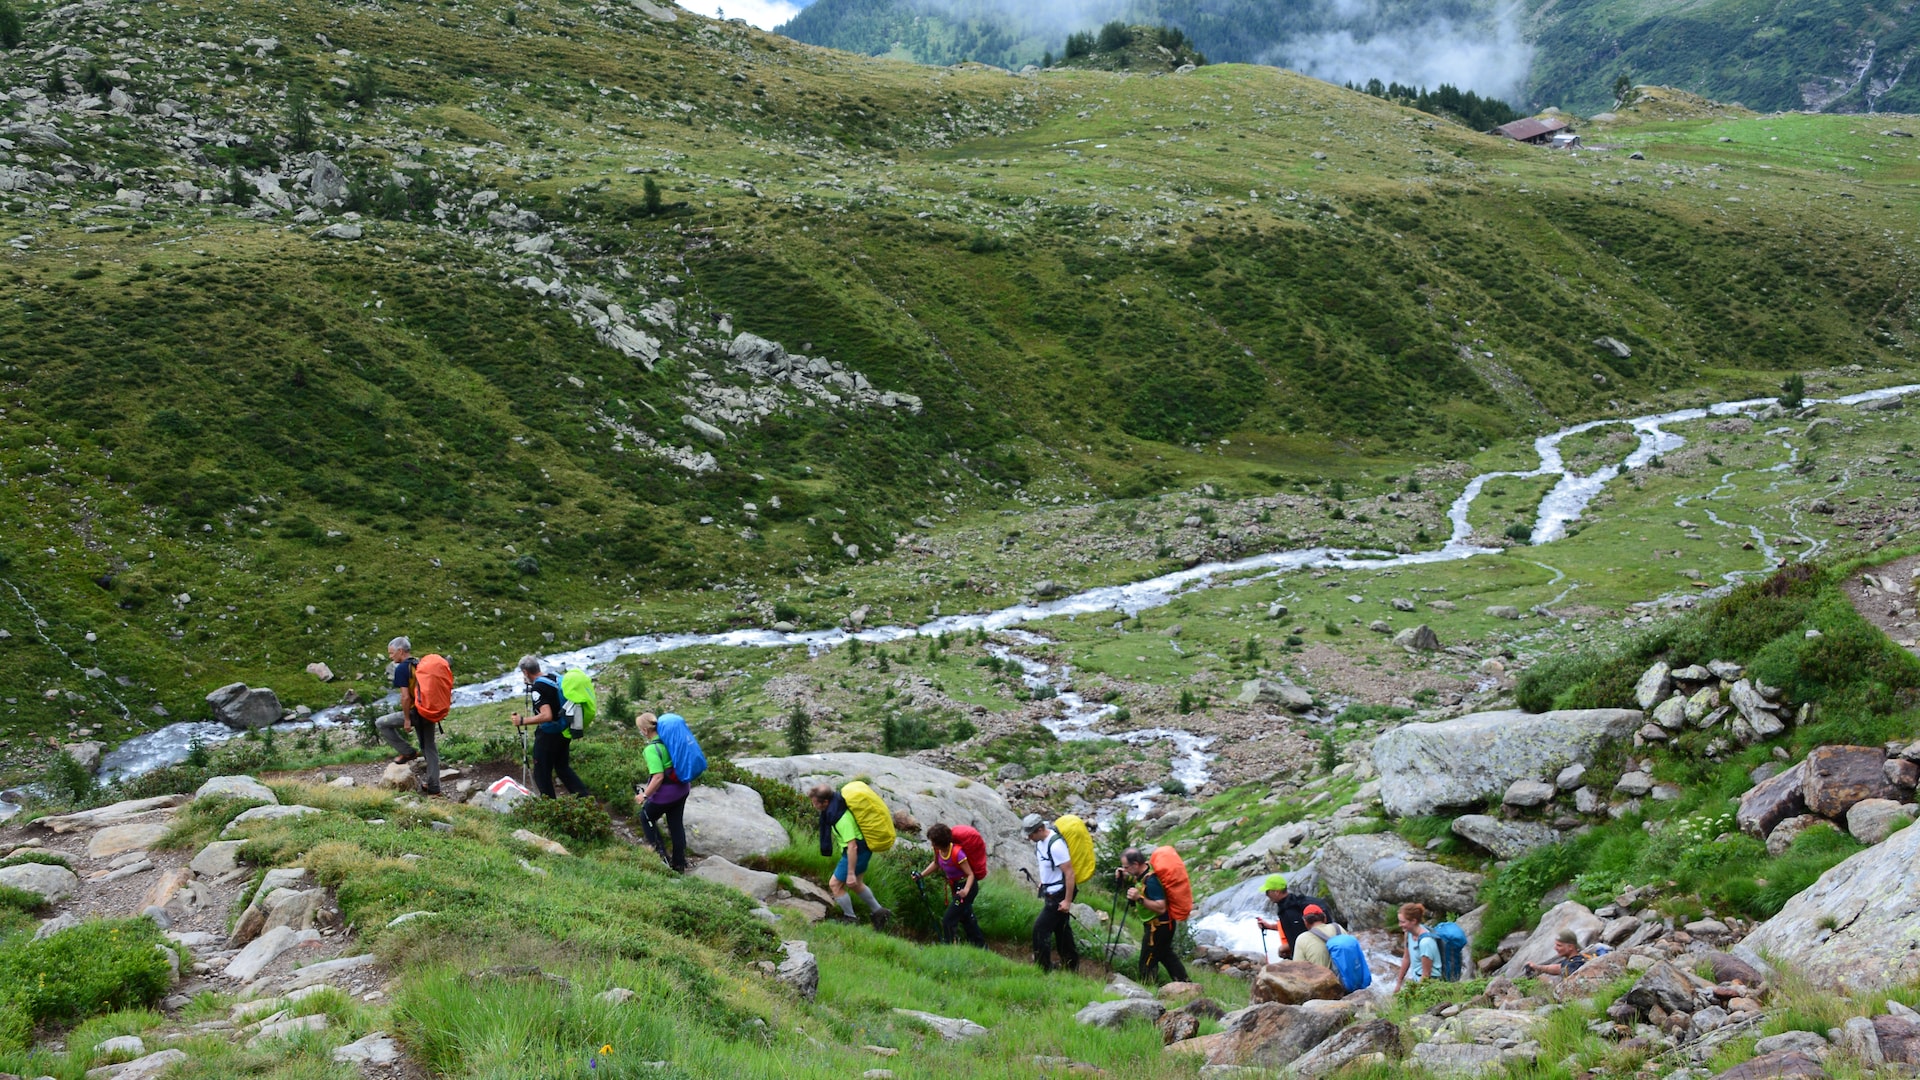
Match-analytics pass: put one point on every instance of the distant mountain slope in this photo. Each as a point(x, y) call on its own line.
point(1824, 55)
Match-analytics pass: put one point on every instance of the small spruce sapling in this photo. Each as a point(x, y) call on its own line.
point(1329, 753)
point(13, 29)
point(799, 732)
point(1793, 391)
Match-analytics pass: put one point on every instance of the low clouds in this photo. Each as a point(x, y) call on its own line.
point(1490, 58)
point(765, 14)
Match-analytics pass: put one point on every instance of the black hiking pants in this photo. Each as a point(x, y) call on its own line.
point(675, 812)
point(1156, 947)
point(960, 913)
point(553, 753)
point(1054, 929)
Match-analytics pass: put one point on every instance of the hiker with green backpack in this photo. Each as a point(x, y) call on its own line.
point(554, 726)
point(665, 793)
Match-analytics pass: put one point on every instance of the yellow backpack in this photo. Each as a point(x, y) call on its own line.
point(1079, 840)
point(871, 814)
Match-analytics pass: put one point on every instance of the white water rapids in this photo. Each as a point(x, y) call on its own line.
point(1562, 505)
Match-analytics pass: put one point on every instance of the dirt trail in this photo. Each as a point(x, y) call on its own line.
point(1885, 596)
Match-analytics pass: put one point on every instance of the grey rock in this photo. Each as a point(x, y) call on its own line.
point(1857, 1037)
point(51, 884)
point(376, 1049)
point(1661, 985)
point(262, 951)
point(1654, 685)
point(799, 969)
point(1504, 611)
point(755, 883)
point(1772, 801)
point(1271, 692)
point(241, 708)
point(150, 1066)
point(326, 183)
point(1116, 1013)
point(1346, 1046)
point(237, 787)
point(1367, 875)
point(1425, 767)
point(49, 927)
point(1784, 834)
point(87, 754)
point(1809, 1043)
point(1457, 1059)
point(122, 1046)
point(1418, 639)
point(951, 1029)
point(1613, 345)
point(1871, 820)
point(1872, 902)
point(731, 821)
point(286, 1029)
point(1570, 777)
point(1527, 793)
point(1634, 784)
point(266, 813)
point(1272, 846)
point(1270, 1035)
point(326, 971)
point(217, 858)
point(1671, 714)
point(1505, 839)
point(343, 230)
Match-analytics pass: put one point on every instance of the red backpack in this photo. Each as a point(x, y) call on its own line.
point(968, 839)
point(432, 687)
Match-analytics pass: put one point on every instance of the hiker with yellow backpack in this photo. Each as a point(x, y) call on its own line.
point(1060, 877)
point(855, 822)
point(1167, 893)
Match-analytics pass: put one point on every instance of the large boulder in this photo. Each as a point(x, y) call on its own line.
point(1772, 801)
point(1662, 985)
point(732, 822)
point(1539, 945)
point(1296, 982)
point(929, 794)
point(241, 708)
point(1453, 763)
point(1368, 875)
point(1273, 847)
point(1779, 1065)
point(1839, 776)
point(1853, 927)
point(1270, 1035)
point(51, 884)
point(1272, 692)
point(1505, 839)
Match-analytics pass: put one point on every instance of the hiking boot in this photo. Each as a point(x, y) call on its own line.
point(406, 757)
point(433, 791)
point(880, 918)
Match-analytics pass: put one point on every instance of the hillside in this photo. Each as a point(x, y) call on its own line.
point(507, 406)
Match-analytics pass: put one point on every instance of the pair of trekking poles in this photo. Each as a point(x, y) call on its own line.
point(1116, 918)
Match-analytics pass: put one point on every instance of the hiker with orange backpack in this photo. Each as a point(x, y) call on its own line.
point(1167, 893)
point(960, 854)
point(421, 709)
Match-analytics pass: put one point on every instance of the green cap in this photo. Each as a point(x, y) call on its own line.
point(1275, 882)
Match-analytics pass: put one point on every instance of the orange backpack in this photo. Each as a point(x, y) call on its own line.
point(432, 687)
point(1172, 872)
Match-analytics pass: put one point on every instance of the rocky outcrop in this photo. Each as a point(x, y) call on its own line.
point(1853, 927)
point(927, 793)
point(1772, 801)
point(1839, 776)
point(1454, 763)
point(1539, 945)
point(1505, 839)
point(731, 821)
point(1368, 875)
point(1371, 1041)
point(1271, 1035)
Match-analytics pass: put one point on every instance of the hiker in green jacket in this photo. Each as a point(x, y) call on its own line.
point(838, 825)
point(665, 795)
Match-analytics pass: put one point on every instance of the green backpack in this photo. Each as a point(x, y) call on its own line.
point(578, 704)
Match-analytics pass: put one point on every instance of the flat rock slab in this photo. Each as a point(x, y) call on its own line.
point(1871, 901)
point(950, 1028)
point(264, 950)
point(1457, 1059)
point(1116, 1013)
point(755, 883)
point(1453, 763)
point(217, 858)
point(120, 839)
point(1505, 839)
point(374, 1049)
point(144, 1068)
point(286, 1029)
point(115, 813)
point(328, 970)
point(267, 813)
point(1779, 1065)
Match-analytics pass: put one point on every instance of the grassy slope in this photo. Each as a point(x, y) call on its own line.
point(230, 412)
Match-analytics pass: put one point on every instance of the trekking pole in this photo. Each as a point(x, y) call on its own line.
point(1113, 921)
point(1119, 930)
point(925, 903)
point(1263, 945)
point(526, 770)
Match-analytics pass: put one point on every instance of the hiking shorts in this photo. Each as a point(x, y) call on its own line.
point(860, 866)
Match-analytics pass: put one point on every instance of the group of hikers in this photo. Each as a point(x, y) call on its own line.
point(855, 823)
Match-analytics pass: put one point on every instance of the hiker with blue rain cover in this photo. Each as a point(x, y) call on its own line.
point(666, 790)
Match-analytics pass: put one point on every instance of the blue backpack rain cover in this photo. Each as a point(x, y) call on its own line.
point(1350, 962)
point(1453, 950)
point(689, 761)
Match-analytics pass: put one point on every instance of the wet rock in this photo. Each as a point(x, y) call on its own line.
point(1425, 767)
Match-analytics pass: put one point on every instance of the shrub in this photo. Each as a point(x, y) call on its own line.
point(13, 30)
point(1522, 534)
point(799, 731)
point(582, 819)
point(95, 967)
point(1329, 753)
point(1514, 892)
point(650, 196)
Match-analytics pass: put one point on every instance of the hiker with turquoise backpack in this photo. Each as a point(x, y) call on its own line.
point(855, 823)
point(1437, 953)
point(674, 760)
point(556, 718)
